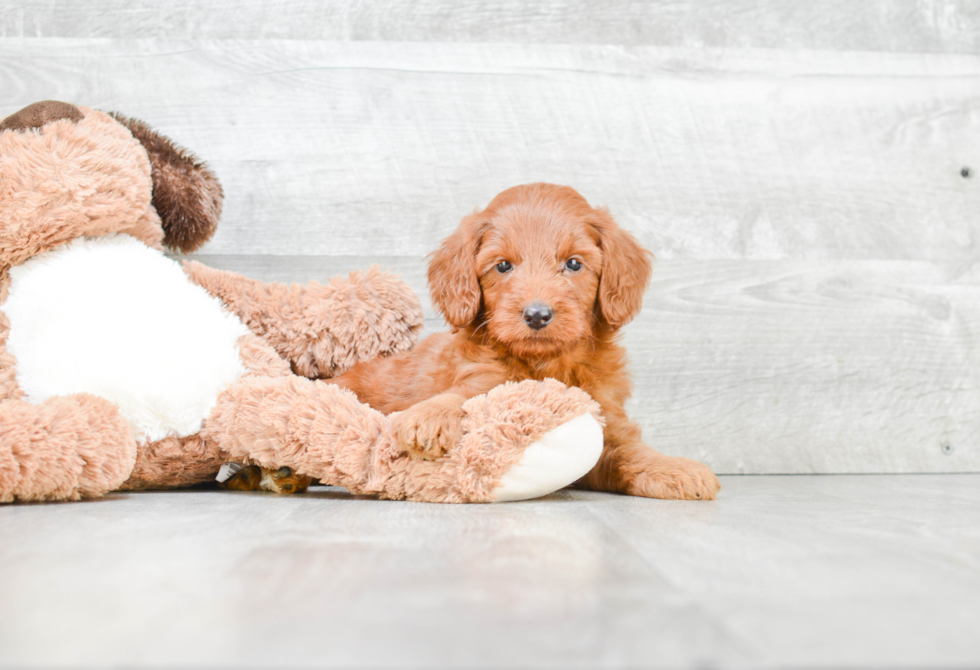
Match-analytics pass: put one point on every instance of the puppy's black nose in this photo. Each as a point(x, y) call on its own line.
point(538, 316)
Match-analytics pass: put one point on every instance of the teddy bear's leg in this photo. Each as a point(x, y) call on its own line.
point(66, 448)
point(519, 441)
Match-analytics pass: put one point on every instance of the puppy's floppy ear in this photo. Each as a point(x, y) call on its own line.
point(453, 282)
point(186, 194)
point(626, 268)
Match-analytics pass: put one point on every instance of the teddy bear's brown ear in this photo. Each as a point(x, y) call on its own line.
point(186, 194)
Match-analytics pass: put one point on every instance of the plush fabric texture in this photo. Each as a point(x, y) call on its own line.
point(85, 178)
point(184, 461)
point(555, 460)
point(66, 448)
point(40, 114)
point(147, 229)
point(259, 358)
point(322, 329)
point(174, 462)
point(321, 430)
point(186, 194)
point(128, 309)
point(9, 389)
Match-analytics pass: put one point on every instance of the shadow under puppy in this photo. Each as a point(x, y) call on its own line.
point(536, 285)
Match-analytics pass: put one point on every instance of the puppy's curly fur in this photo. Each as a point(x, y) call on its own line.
point(536, 285)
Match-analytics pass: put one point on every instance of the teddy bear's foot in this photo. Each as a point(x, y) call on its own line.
point(553, 461)
point(66, 448)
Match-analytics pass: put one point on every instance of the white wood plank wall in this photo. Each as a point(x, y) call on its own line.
point(797, 168)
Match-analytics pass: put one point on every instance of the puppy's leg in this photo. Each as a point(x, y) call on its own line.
point(627, 465)
point(430, 428)
point(254, 478)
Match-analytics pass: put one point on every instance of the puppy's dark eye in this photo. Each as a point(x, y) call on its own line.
point(573, 264)
point(504, 267)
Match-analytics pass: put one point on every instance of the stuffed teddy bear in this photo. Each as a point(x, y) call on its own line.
point(120, 369)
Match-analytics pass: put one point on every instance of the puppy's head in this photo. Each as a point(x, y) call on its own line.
point(539, 269)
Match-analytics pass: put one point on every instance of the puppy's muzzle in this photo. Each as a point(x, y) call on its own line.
point(537, 315)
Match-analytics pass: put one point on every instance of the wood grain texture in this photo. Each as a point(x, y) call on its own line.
point(916, 26)
point(378, 149)
point(797, 367)
point(779, 572)
point(766, 367)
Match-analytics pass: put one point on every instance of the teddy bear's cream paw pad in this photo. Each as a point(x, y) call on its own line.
point(558, 458)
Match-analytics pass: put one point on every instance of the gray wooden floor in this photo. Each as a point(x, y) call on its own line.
point(857, 570)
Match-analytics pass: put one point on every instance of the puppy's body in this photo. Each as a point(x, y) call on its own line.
point(535, 286)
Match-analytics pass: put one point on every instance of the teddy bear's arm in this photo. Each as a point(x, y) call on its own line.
point(321, 329)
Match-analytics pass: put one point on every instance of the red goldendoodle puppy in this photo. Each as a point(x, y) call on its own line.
point(536, 285)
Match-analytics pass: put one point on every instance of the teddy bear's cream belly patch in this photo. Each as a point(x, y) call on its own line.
point(111, 317)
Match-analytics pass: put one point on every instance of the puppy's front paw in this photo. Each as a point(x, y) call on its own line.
point(677, 479)
point(429, 429)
